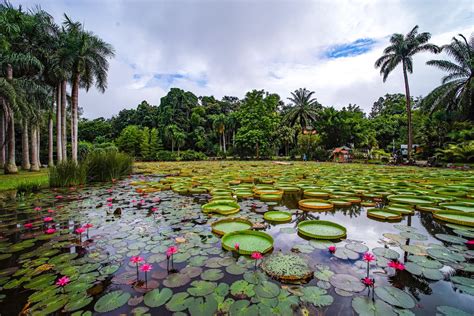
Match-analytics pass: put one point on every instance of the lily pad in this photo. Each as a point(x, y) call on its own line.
point(212, 275)
point(203, 306)
point(242, 289)
point(346, 282)
point(395, 297)
point(316, 296)
point(156, 297)
point(179, 302)
point(386, 253)
point(365, 306)
point(201, 288)
point(249, 241)
point(286, 267)
point(321, 229)
point(267, 289)
point(111, 301)
point(229, 225)
point(277, 216)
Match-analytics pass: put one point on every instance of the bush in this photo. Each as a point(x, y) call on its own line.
point(166, 155)
point(67, 174)
point(105, 165)
point(320, 154)
point(189, 155)
point(83, 149)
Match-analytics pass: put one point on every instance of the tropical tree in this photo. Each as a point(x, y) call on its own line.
point(86, 56)
point(456, 91)
point(401, 51)
point(304, 108)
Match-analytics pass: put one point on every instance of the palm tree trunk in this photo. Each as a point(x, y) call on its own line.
point(50, 142)
point(407, 96)
point(258, 153)
point(63, 121)
point(38, 151)
point(172, 145)
point(25, 148)
point(34, 148)
point(10, 165)
point(2, 138)
point(74, 105)
point(223, 142)
point(59, 118)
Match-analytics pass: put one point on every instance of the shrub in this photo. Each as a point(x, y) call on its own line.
point(320, 154)
point(83, 149)
point(189, 155)
point(67, 173)
point(105, 165)
point(166, 155)
point(28, 187)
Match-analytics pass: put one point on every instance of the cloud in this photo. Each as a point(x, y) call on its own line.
point(229, 47)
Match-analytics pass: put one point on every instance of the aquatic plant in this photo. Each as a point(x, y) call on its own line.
point(332, 249)
point(137, 260)
point(256, 256)
point(169, 256)
point(288, 267)
point(80, 231)
point(146, 267)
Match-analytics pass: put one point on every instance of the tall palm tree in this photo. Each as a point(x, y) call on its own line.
point(87, 55)
point(401, 51)
point(305, 108)
point(456, 91)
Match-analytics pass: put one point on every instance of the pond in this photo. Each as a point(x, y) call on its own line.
point(83, 251)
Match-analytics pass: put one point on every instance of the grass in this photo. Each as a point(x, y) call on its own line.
point(22, 179)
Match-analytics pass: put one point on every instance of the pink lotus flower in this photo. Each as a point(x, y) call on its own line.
point(50, 231)
point(48, 219)
point(396, 265)
point(256, 255)
point(146, 267)
point(80, 230)
point(172, 250)
point(136, 259)
point(37, 208)
point(332, 249)
point(142, 202)
point(368, 257)
point(59, 197)
point(368, 281)
point(63, 281)
point(88, 225)
point(110, 199)
point(28, 225)
point(236, 246)
point(109, 204)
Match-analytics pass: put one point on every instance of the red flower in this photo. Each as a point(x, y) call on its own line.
point(332, 249)
point(136, 259)
point(88, 225)
point(48, 219)
point(236, 246)
point(28, 225)
point(368, 257)
point(470, 242)
point(110, 199)
point(50, 211)
point(396, 265)
point(50, 231)
point(59, 197)
point(146, 267)
point(63, 281)
point(154, 209)
point(172, 250)
point(37, 208)
point(109, 204)
point(256, 255)
point(368, 281)
point(80, 230)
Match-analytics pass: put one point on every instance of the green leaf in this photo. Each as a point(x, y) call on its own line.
point(111, 301)
point(77, 301)
point(267, 289)
point(364, 306)
point(156, 298)
point(243, 308)
point(179, 302)
point(346, 282)
point(395, 296)
point(316, 296)
point(201, 307)
point(242, 289)
point(212, 275)
point(201, 288)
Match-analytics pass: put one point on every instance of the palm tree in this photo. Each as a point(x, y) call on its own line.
point(86, 54)
point(219, 124)
point(456, 91)
point(401, 50)
point(305, 108)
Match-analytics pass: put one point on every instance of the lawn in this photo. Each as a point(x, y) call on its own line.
point(11, 181)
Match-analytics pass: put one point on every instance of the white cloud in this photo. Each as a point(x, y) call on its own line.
point(241, 45)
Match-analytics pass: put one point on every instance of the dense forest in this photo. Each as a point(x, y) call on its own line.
point(44, 66)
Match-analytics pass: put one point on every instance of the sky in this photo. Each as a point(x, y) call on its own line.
point(229, 47)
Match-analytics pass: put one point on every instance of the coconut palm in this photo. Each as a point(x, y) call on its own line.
point(304, 110)
point(401, 51)
point(456, 91)
point(86, 55)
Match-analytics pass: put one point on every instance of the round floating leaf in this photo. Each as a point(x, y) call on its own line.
point(212, 275)
point(446, 255)
point(344, 254)
point(267, 289)
point(451, 239)
point(156, 298)
point(316, 296)
point(321, 229)
point(243, 308)
point(323, 273)
point(425, 262)
point(364, 306)
point(201, 307)
point(229, 225)
point(235, 269)
point(77, 302)
point(176, 280)
point(201, 288)
point(286, 267)
point(432, 274)
point(451, 311)
point(277, 216)
point(111, 301)
point(191, 272)
point(357, 247)
point(179, 302)
point(249, 241)
point(395, 296)
point(242, 289)
point(347, 282)
point(414, 236)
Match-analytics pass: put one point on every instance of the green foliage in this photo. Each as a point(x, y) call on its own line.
point(145, 152)
point(67, 174)
point(107, 165)
point(166, 155)
point(96, 130)
point(129, 140)
point(462, 152)
point(189, 155)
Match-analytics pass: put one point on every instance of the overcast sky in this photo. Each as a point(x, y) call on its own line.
point(222, 47)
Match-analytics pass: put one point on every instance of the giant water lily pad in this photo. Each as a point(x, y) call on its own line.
point(321, 229)
point(286, 267)
point(461, 207)
point(455, 217)
point(277, 216)
point(221, 207)
point(315, 204)
point(229, 225)
point(395, 296)
point(111, 301)
point(410, 199)
point(365, 306)
point(384, 214)
point(248, 241)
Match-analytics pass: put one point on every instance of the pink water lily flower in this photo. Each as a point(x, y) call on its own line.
point(110, 190)
point(332, 249)
point(154, 209)
point(256, 255)
point(50, 211)
point(50, 231)
point(136, 259)
point(80, 230)
point(58, 197)
point(396, 265)
point(470, 242)
point(28, 225)
point(146, 267)
point(110, 199)
point(368, 257)
point(172, 250)
point(63, 281)
point(133, 201)
point(48, 219)
point(37, 208)
point(368, 281)
point(88, 225)
point(109, 204)
point(236, 246)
